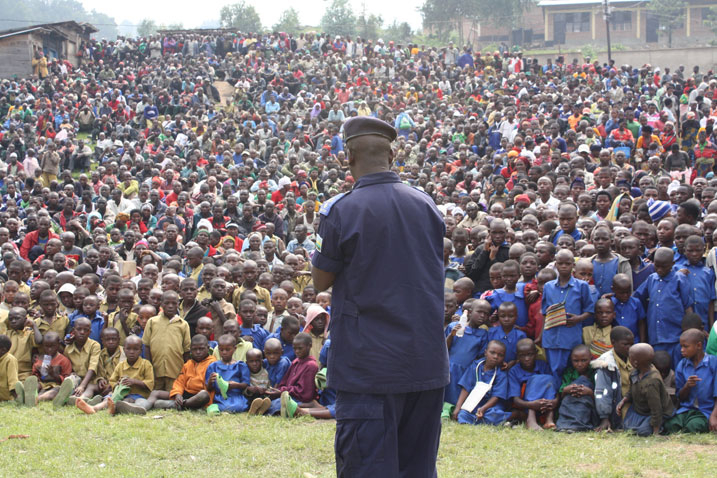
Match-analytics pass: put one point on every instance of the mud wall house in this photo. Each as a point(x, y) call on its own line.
point(60, 40)
point(632, 24)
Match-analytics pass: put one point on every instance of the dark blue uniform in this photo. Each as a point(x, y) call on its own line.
point(388, 362)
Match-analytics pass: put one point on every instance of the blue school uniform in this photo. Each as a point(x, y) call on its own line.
point(681, 261)
point(538, 382)
point(235, 402)
point(97, 323)
point(629, 314)
point(496, 414)
point(641, 274)
point(327, 396)
point(518, 298)
point(665, 300)
point(559, 341)
point(603, 272)
point(287, 347)
point(464, 350)
point(702, 396)
point(510, 340)
point(276, 372)
point(259, 333)
point(702, 282)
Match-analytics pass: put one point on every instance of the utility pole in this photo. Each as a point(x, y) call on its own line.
point(606, 16)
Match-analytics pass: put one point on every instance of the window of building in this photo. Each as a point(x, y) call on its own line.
point(709, 16)
point(621, 21)
point(574, 22)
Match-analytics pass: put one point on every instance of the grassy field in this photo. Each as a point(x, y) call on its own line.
point(68, 443)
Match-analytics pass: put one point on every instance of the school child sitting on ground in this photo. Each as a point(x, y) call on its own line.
point(510, 293)
point(258, 383)
point(612, 378)
point(8, 371)
point(666, 297)
point(465, 344)
point(167, 342)
point(648, 399)
point(696, 387)
point(577, 406)
point(130, 384)
point(298, 385)
point(536, 320)
point(530, 386)
point(317, 326)
point(629, 311)
point(489, 386)
point(111, 355)
point(325, 408)
point(49, 319)
point(205, 327)
point(275, 363)
point(597, 336)
point(228, 379)
point(566, 303)
point(188, 390)
point(51, 368)
point(84, 354)
point(232, 328)
point(24, 336)
point(507, 332)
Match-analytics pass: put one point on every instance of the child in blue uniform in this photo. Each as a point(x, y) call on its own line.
point(205, 327)
point(228, 378)
point(579, 304)
point(510, 293)
point(530, 386)
point(507, 332)
point(629, 311)
point(462, 351)
point(275, 363)
point(491, 409)
point(250, 331)
point(696, 387)
point(701, 279)
point(288, 330)
point(605, 262)
point(666, 296)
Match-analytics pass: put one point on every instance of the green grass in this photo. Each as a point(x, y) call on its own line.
point(68, 443)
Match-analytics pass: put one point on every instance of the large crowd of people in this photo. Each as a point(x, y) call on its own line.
point(157, 234)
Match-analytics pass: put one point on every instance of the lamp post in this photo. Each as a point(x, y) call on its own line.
point(606, 16)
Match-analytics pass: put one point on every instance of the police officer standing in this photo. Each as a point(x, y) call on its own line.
point(381, 248)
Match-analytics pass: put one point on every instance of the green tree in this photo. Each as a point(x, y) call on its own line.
point(288, 22)
point(398, 32)
point(369, 27)
point(146, 28)
point(671, 15)
point(339, 19)
point(241, 16)
point(442, 17)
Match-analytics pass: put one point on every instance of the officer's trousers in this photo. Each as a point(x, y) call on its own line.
point(391, 436)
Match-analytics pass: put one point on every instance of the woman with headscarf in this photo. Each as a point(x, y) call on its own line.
point(705, 153)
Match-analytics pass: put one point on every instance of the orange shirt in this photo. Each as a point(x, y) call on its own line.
point(191, 379)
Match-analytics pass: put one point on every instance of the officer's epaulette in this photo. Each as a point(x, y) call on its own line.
point(326, 206)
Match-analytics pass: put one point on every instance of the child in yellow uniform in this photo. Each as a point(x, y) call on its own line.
point(110, 356)
point(597, 336)
point(24, 336)
point(123, 319)
point(132, 381)
point(84, 354)
point(167, 342)
point(8, 370)
point(50, 320)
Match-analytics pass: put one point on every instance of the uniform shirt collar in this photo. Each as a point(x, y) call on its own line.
point(377, 178)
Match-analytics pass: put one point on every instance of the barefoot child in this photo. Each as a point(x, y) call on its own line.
point(577, 408)
point(530, 386)
point(490, 408)
point(649, 401)
point(131, 383)
point(227, 379)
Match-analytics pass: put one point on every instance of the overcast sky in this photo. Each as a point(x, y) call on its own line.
point(186, 11)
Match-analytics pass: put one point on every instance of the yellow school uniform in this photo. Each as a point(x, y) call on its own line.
point(23, 341)
point(316, 344)
point(300, 283)
point(140, 370)
point(107, 362)
point(263, 297)
point(8, 376)
point(598, 339)
point(105, 307)
point(59, 324)
point(84, 358)
point(24, 288)
point(114, 321)
point(203, 293)
point(196, 272)
point(168, 340)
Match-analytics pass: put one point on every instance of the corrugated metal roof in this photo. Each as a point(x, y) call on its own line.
point(19, 32)
point(570, 3)
point(49, 27)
